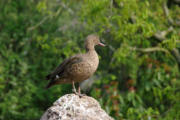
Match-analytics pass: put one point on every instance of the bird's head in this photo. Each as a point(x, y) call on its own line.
point(91, 41)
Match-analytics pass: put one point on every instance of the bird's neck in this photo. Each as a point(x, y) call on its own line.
point(91, 52)
point(90, 48)
point(92, 57)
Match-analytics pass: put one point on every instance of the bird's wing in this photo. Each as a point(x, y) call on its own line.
point(64, 65)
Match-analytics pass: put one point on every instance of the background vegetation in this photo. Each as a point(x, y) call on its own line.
point(138, 76)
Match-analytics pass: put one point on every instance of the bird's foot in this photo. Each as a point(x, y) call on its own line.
point(77, 93)
point(81, 95)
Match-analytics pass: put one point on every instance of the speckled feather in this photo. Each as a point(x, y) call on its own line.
point(79, 67)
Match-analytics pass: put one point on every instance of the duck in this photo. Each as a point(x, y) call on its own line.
point(77, 68)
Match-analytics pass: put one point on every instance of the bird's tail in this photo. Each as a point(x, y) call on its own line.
point(48, 77)
point(54, 82)
point(51, 83)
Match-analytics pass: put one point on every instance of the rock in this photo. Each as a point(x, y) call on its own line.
point(73, 107)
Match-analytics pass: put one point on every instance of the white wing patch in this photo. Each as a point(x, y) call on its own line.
point(57, 76)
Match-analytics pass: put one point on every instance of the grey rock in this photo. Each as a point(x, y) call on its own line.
point(73, 107)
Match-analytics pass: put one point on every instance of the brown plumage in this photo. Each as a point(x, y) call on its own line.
point(79, 67)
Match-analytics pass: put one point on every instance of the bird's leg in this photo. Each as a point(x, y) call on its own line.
point(79, 89)
point(74, 88)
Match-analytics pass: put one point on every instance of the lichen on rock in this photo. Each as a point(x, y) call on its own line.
point(73, 107)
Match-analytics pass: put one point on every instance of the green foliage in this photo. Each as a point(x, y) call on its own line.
point(137, 80)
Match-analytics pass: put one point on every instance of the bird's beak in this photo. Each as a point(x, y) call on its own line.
point(101, 44)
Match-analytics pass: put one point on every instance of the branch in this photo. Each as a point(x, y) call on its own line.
point(166, 12)
point(44, 19)
point(146, 50)
point(176, 54)
point(161, 35)
point(38, 24)
point(69, 9)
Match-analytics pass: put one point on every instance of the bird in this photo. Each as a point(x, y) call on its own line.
point(79, 67)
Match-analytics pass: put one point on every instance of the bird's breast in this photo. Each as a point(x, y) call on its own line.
point(84, 69)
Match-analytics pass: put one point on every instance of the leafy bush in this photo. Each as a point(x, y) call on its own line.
point(139, 68)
